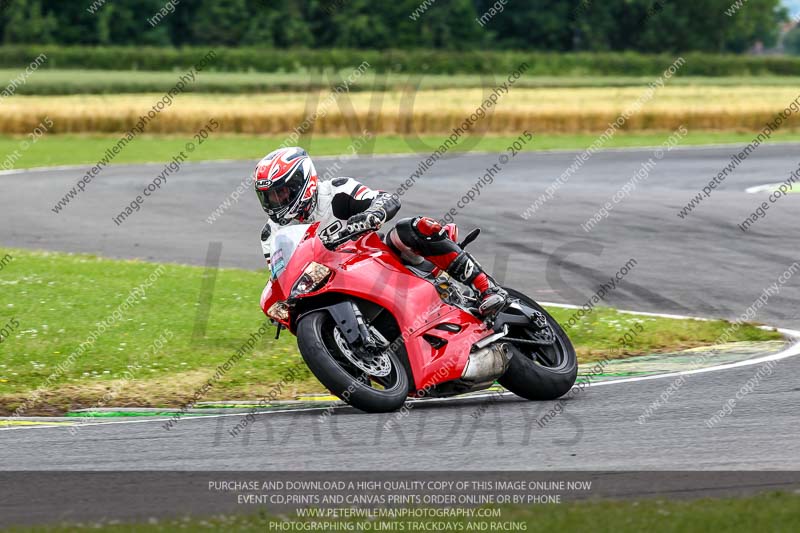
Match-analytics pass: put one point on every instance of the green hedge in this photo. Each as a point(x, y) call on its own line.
point(405, 61)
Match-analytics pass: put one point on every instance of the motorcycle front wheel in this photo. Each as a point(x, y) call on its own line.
point(376, 385)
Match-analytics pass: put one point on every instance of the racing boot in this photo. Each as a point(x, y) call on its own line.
point(493, 297)
point(466, 270)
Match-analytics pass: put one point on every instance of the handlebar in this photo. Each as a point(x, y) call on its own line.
point(341, 239)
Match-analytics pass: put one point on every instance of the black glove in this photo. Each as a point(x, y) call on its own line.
point(368, 220)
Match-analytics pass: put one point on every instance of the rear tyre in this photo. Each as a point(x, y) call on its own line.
point(323, 351)
point(539, 372)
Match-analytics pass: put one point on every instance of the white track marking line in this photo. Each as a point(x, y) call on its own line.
point(762, 188)
point(40, 169)
point(697, 147)
point(241, 415)
point(628, 312)
point(79, 425)
point(766, 188)
point(791, 351)
point(86, 166)
point(789, 332)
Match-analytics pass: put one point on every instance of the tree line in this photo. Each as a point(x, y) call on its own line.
point(649, 26)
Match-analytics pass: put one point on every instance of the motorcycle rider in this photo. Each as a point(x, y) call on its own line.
point(290, 191)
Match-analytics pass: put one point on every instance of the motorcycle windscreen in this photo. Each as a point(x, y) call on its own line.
point(283, 246)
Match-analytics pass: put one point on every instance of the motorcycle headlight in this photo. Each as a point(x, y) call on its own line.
point(313, 277)
point(279, 311)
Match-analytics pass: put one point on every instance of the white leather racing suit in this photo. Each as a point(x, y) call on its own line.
point(337, 200)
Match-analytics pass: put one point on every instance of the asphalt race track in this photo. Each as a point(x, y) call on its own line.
point(702, 265)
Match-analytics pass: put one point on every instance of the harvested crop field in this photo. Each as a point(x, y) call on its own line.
point(551, 110)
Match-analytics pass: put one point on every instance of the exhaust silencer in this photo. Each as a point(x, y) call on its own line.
point(487, 364)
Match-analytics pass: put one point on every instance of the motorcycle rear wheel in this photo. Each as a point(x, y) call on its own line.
point(541, 372)
point(326, 360)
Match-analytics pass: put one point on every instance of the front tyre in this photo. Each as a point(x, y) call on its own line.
point(330, 359)
point(540, 372)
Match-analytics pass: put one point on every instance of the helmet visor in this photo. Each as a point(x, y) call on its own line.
point(282, 196)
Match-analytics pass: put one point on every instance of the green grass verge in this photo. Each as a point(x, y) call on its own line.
point(79, 149)
point(59, 82)
point(774, 512)
point(56, 301)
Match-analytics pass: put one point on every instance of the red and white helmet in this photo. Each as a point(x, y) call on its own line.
point(286, 185)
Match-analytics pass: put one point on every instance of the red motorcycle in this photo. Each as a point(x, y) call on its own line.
point(375, 330)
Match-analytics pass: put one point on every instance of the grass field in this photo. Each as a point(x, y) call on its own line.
point(424, 112)
point(65, 82)
point(87, 149)
point(773, 512)
point(58, 300)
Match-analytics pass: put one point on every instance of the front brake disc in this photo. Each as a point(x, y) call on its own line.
point(377, 365)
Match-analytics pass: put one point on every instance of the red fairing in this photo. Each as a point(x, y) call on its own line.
point(270, 295)
point(368, 269)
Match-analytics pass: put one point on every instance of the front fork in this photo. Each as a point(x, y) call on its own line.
point(351, 323)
